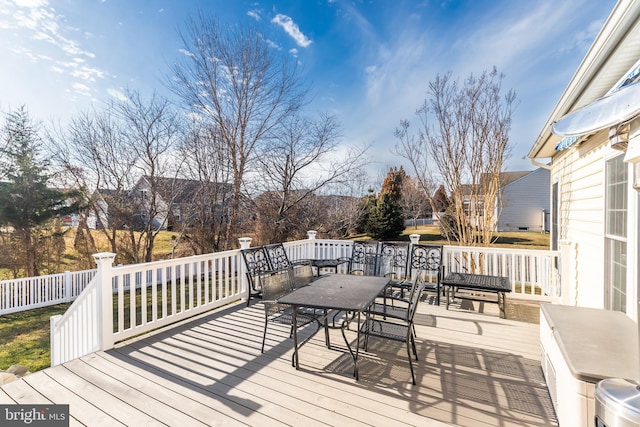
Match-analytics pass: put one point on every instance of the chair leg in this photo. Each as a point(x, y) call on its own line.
point(413, 344)
point(413, 377)
point(264, 334)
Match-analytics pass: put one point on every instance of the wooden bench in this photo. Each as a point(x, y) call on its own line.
point(478, 286)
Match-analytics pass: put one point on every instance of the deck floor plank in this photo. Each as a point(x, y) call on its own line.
point(5, 399)
point(90, 404)
point(474, 369)
point(226, 378)
point(144, 382)
point(306, 391)
point(121, 389)
point(22, 392)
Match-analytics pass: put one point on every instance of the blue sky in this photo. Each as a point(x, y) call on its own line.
point(368, 62)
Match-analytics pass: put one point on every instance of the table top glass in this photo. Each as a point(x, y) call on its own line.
point(339, 292)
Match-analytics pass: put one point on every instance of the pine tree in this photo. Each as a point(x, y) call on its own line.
point(385, 219)
point(26, 201)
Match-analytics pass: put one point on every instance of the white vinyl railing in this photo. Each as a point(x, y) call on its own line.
point(125, 301)
point(42, 291)
point(130, 300)
point(534, 274)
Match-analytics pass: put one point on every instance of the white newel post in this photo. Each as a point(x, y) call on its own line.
point(68, 286)
point(415, 238)
point(311, 247)
point(245, 243)
point(104, 276)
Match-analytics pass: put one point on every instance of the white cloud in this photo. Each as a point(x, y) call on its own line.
point(41, 24)
point(117, 94)
point(294, 52)
point(292, 29)
point(272, 44)
point(254, 14)
point(185, 52)
point(81, 89)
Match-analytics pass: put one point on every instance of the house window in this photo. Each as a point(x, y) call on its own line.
point(616, 234)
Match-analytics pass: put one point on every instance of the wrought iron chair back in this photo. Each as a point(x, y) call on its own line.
point(258, 265)
point(301, 276)
point(394, 260)
point(364, 258)
point(426, 262)
point(278, 257)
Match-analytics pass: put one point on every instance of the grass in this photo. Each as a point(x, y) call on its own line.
point(514, 239)
point(24, 336)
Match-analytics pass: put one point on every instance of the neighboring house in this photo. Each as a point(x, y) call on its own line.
point(177, 201)
point(98, 215)
point(522, 197)
point(592, 139)
point(525, 200)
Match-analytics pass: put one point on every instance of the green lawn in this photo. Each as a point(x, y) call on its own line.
point(24, 337)
point(513, 239)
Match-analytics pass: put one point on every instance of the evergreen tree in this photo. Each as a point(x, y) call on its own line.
point(385, 219)
point(393, 183)
point(367, 204)
point(26, 201)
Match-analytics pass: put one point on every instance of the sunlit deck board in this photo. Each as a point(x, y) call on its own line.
point(474, 370)
point(5, 399)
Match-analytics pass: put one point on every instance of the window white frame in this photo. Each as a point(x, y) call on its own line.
point(616, 211)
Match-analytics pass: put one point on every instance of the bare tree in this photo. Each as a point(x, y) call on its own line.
point(300, 159)
point(95, 153)
point(242, 86)
point(413, 201)
point(108, 151)
point(203, 223)
point(340, 213)
point(152, 130)
point(468, 141)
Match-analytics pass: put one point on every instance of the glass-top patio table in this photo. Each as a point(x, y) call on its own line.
point(342, 292)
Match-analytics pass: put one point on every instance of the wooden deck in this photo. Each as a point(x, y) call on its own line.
point(475, 369)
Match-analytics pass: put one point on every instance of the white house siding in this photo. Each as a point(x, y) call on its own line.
point(523, 203)
point(580, 173)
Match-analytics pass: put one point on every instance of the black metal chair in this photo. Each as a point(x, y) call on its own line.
point(273, 287)
point(300, 271)
point(301, 276)
point(401, 331)
point(394, 306)
point(425, 261)
point(258, 265)
point(364, 258)
point(393, 261)
point(278, 258)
